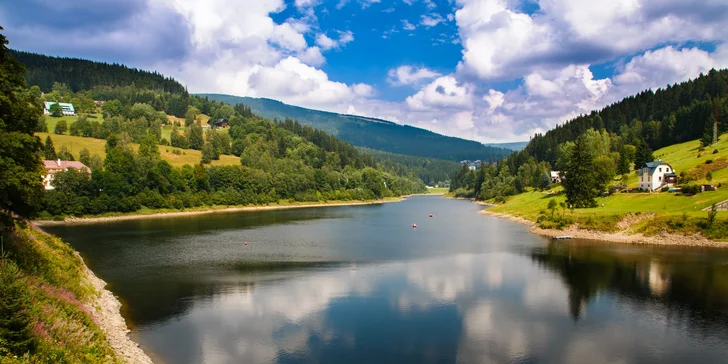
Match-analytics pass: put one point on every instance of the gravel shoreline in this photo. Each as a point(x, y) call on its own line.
point(623, 236)
point(94, 220)
point(106, 310)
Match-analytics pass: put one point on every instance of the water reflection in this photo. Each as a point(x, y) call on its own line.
point(689, 284)
point(359, 285)
point(466, 308)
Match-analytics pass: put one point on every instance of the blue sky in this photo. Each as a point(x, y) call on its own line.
point(487, 70)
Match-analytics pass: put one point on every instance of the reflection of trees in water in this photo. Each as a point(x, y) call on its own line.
point(685, 289)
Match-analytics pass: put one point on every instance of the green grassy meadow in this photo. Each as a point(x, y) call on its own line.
point(97, 146)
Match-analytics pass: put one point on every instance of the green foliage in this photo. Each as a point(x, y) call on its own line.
point(61, 127)
point(20, 151)
point(195, 137)
point(711, 215)
point(15, 336)
point(64, 154)
point(56, 110)
point(41, 126)
point(49, 151)
point(208, 153)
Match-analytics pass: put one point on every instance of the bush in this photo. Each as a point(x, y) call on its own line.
point(164, 141)
point(665, 189)
point(715, 151)
point(708, 161)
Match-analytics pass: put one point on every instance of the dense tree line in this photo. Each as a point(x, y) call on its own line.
point(80, 74)
point(430, 170)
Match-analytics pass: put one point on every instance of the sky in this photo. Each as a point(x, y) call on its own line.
point(486, 70)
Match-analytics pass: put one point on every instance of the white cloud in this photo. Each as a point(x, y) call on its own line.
point(406, 25)
point(668, 65)
point(431, 20)
point(312, 56)
point(295, 82)
point(327, 43)
point(409, 75)
point(443, 92)
point(502, 42)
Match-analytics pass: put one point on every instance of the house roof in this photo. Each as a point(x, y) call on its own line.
point(59, 164)
point(655, 164)
point(670, 175)
point(48, 105)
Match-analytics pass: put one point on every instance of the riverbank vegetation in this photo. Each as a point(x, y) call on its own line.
point(597, 156)
point(46, 302)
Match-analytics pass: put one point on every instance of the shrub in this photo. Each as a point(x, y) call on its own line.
point(715, 151)
point(708, 161)
point(665, 189)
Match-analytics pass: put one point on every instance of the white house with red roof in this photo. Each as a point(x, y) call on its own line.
point(53, 167)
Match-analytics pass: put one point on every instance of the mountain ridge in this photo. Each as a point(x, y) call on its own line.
point(368, 132)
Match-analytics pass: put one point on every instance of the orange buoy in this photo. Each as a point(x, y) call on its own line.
point(414, 226)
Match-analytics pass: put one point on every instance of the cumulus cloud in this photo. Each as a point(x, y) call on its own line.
point(409, 75)
point(500, 41)
point(668, 65)
point(431, 20)
point(327, 43)
point(443, 92)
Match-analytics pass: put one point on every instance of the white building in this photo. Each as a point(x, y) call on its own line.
point(654, 175)
point(53, 167)
point(555, 177)
point(68, 109)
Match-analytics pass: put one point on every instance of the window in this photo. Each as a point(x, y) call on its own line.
point(660, 169)
point(660, 178)
point(668, 169)
point(642, 179)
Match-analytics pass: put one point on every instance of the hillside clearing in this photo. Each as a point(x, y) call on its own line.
point(97, 146)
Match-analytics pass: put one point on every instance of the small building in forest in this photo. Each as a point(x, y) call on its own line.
point(555, 177)
point(655, 175)
point(53, 167)
point(67, 109)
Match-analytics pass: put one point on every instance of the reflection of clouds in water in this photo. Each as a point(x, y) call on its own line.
point(503, 310)
point(443, 279)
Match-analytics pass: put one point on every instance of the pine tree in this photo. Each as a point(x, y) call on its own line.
point(49, 151)
point(15, 338)
point(580, 181)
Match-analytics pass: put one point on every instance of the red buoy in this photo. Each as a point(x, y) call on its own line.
point(430, 215)
point(246, 243)
point(414, 226)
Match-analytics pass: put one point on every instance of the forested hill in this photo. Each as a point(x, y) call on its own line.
point(372, 133)
point(675, 114)
point(80, 74)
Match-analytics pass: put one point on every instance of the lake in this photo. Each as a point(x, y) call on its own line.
point(358, 284)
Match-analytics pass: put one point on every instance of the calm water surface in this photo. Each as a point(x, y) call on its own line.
point(360, 285)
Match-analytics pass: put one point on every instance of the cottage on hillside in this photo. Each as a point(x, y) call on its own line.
point(67, 109)
point(53, 167)
point(655, 175)
point(555, 177)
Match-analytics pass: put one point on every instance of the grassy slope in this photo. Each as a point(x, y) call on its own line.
point(683, 157)
point(96, 146)
point(56, 297)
